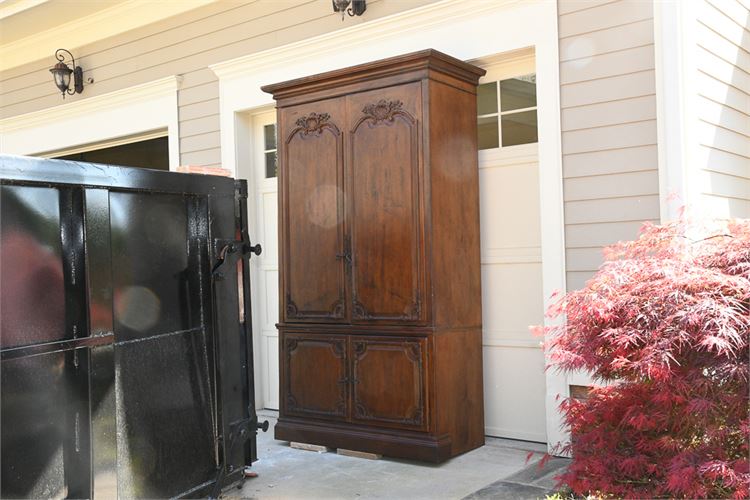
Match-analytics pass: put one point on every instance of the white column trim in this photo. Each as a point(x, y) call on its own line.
point(471, 32)
point(551, 202)
point(126, 112)
point(674, 47)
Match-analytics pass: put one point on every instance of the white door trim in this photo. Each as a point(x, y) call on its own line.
point(132, 111)
point(467, 31)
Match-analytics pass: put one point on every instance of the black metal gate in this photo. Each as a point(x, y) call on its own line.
point(126, 350)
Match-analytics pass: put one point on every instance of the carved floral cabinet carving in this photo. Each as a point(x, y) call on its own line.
point(380, 329)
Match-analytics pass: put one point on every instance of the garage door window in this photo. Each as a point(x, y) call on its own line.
point(506, 111)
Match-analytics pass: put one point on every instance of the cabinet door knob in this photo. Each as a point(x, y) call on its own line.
point(346, 256)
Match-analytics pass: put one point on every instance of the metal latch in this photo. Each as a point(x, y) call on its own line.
point(229, 251)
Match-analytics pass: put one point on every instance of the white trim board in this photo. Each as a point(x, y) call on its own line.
point(126, 112)
point(480, 31)
point(674, 43)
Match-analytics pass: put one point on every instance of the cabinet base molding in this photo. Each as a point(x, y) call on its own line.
point(415, 446)
point(358, 454)
point(309, 447)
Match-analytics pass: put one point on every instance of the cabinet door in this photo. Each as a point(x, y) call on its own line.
point(384, 204)
point(312, 242)
point(313, 375)
point(388, 381)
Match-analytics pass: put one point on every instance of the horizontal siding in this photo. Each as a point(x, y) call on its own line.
point(724, 139)
point(621, 62)
point(199, 109)
point(626, 208)
point(723, 162)
point(200, 125)
point(603, 114)
point(601, 17)
point(577, 279)
point(722, 47)
point(602, 42)
point(578, 5)
point(584, 259)
point(722, 70)
point(723, 116)
point(727, 186)
point(722, 109)
point(201, 158)
point(633, 159)
point(623, 135)
point(185, 45)
point(637, 84)
point(611, 186)
point(732, 97)
point(608, 119)
point(200, 142)
point(721, 206)
point(198, 101)
point(601, 234)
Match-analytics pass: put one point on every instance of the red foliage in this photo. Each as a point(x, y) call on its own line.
point(665, 324)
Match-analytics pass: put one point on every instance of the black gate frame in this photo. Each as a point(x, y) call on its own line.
point(85, 234)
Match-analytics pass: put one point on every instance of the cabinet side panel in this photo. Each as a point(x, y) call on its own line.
point(454, 182)
point(459, 388)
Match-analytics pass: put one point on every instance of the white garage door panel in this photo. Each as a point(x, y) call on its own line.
point(270, 222)
point(270, 362)
point(271, 300)
point(512, 299)
point(509, 206)
point(514, 391)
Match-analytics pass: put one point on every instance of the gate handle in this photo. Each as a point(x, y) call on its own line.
point(248, 248)
point(262, 425)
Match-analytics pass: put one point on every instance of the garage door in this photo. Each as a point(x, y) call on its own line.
point(512, 296)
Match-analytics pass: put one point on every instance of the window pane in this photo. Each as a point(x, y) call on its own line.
point(518, 93)
point(271, 169)
point(488, 133)
point(487, 98)
point(519, 128)
point(269, 136)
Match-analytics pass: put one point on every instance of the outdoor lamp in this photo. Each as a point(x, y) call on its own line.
point(357, 8)
point(61, 73)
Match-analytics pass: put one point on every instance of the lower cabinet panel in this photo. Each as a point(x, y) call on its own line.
point(388, 381)
point(313, 371)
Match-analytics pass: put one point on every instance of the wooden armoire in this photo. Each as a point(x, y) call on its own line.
point(380, 318)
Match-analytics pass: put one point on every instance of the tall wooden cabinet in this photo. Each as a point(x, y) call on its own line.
point(380, 317)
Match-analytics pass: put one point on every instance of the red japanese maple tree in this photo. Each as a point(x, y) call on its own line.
point(665, 324)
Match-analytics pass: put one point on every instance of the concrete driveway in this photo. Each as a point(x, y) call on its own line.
point(497, 470)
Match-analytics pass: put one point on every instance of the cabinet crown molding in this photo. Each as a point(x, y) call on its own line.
point(426, 60)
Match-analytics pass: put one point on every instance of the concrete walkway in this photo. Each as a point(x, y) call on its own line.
point(285, 472)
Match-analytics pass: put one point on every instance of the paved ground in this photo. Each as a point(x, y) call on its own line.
point(497, 470)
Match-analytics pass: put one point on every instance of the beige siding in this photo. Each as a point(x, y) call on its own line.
point(722, 106)
point(608, 116)
point(185, 45)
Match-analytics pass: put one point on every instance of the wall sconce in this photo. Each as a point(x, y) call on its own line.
point(358, 7)
point(61, 72)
